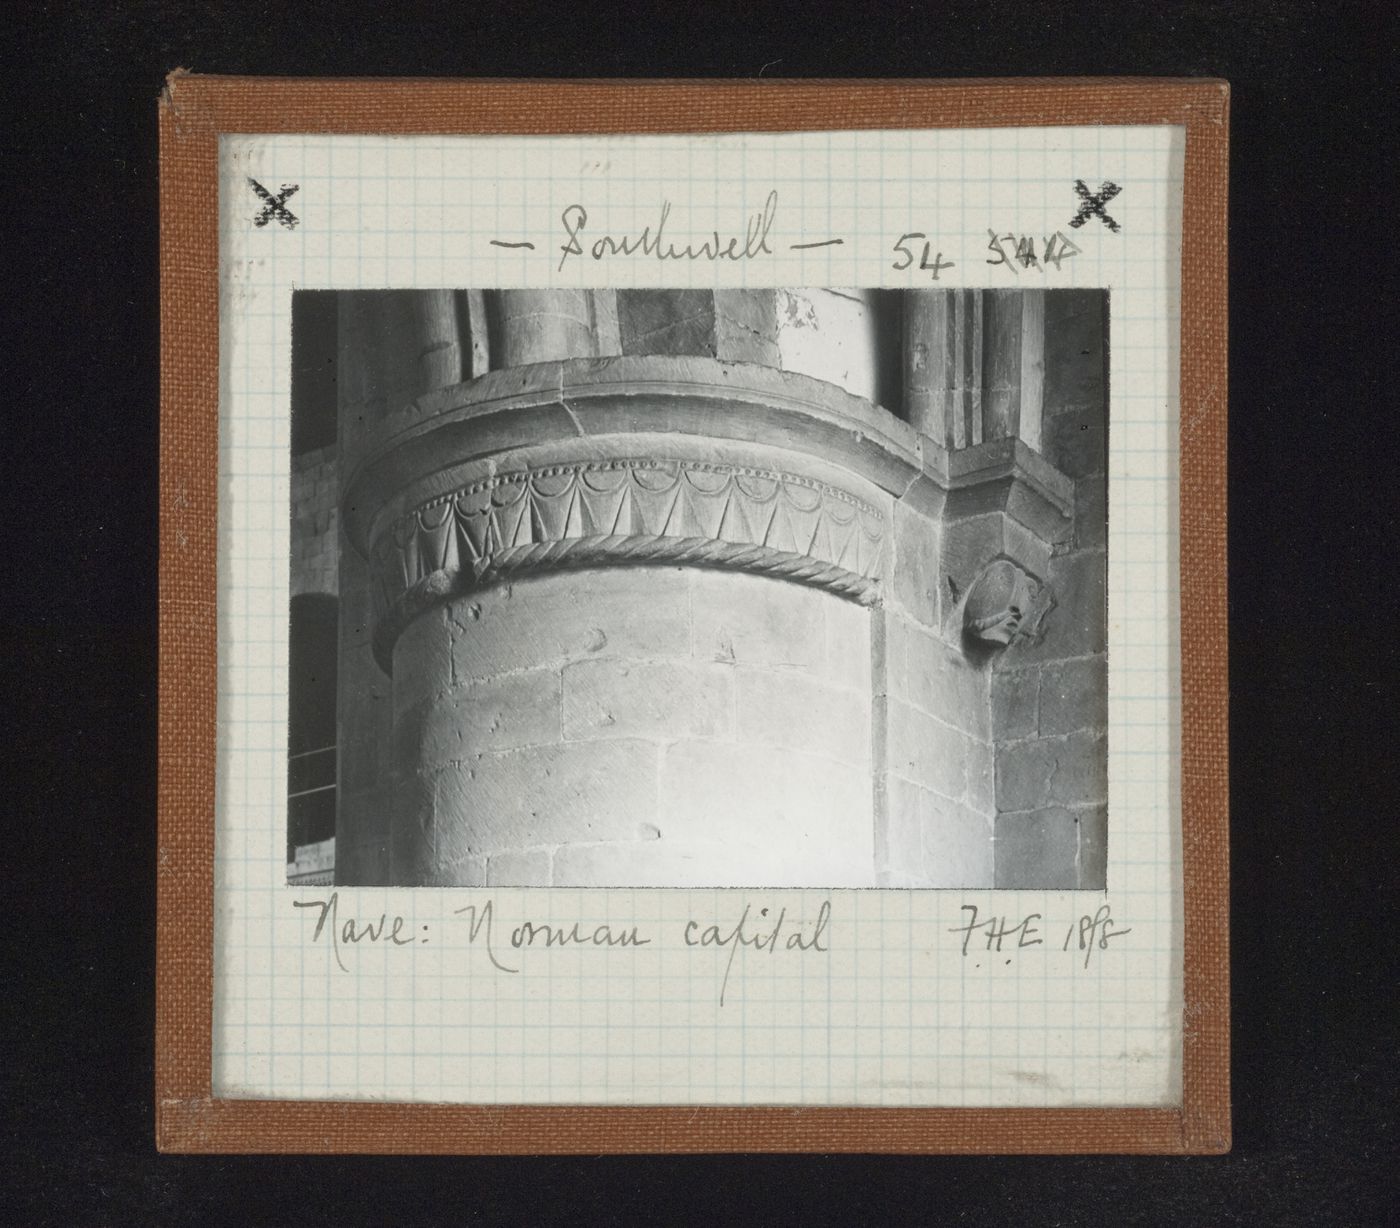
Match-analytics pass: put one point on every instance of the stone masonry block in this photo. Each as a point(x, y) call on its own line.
point(464, 872)
point(659, 700)
point(364, 863)
point(1093, 848)
point(361, 815)
point(1041, 772)
point(666, 321)
point(501, 714)
point(810, 813)
point(970, 544)
point(1015, 703)
point(899, 881)
point(1037, 850)
point(356, 605)
point(784, 709)
point(1076, 441)
point(525, 868)
point(542, 325)
point(829, 334)
point(751, 620)
point(848, 634)
point(606, 333)
point(1074, 346)
point(544, 795)
point(936, 678)
point(746, 326)
point(654, 863)
point(1029, 549)
point(364, 720)
point(926, 751)
point(916, 565)
point(422, 660)
point(385, 750)
point(1074, 696)
point(957, 844)
point(981, 777)
point(1091, 513)
point(412, 836)
point(756, 311)
point(633, 612)
point(1077, 623)
point(899, 840)
point(363, 838)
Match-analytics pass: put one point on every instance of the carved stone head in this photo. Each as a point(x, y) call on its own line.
point(999, 603)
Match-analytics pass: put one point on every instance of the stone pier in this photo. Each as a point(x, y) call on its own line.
point(736, 588)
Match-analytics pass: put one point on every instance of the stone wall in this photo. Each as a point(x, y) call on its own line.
point(1049, 692)
point(315, 522)
point(312, 662)
point(394, 345)
point(364, 788)
point(842, 336)
point(938, 802)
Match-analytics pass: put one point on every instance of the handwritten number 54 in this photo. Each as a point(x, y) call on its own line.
point(906, 255)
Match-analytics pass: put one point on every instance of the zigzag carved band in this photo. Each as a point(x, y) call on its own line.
point(625, 513)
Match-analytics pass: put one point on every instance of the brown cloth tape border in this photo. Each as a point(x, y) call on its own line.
point(193, 111)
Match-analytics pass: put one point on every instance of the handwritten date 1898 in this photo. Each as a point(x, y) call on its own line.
point(1094, 932)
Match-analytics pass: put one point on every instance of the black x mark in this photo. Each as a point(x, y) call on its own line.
point(273, 206)
point(1094, 203)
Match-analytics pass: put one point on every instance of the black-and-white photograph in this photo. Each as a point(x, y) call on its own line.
point(684, 588)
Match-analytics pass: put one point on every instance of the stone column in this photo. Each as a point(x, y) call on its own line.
point(439, 350)
point(544, 326)
point(635, 727)
point(733, 325)
point(637, 656)
point(1013, 366)
point(974, 364)
point(473, 328)
point(393, 347)
point(943, 365)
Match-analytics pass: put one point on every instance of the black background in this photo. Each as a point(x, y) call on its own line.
point(1312, 357)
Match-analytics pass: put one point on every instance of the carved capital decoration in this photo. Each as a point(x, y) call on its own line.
point(1003, 603)
point(620, 512)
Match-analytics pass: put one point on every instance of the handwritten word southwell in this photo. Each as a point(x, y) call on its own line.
point(654, 242)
